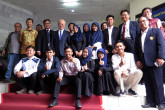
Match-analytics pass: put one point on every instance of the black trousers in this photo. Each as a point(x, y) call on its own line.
point(27, 82)
point(49, 79)
point(153, 77)
point(67, 80)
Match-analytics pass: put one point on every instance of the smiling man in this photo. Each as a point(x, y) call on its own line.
point(125, 70)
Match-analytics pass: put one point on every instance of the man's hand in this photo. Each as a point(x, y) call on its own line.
point(80, 53)
point(20, 74)
point(42, 76)
point(139, 64)
point(106, 51)
point(100, 73)
point(123, 62)
point(76, 52)
point(72, 59)
point(39, 53)
point(59, 79)
point(3, 52)
point(124, 73)
point(160, 61)
point(114, 51)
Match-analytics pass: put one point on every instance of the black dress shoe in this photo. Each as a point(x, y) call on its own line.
point(78, 104)
point(161, 106)
point(115, 94)
point(40, 92)
point(149, 106)
point(54, 103)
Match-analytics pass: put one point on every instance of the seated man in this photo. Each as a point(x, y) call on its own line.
point(68, 75)
point(25, 71)
point(125, 70)
point(48, 69)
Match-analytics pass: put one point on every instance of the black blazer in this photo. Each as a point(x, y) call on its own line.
point(55, 66)
point(42, 40)
point(133, 29)
point(77, 46)
point(61, 44)
point(106, 38)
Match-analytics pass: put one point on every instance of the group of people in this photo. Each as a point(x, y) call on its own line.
point(93, 61)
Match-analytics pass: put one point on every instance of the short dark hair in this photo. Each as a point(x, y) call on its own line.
point(70, 24)
point(39, 25)
point(146, 9)
point(29, 19)
point(30, 46)
point(119, 41)
point(125, 10)
point(68, 47)
point(46, 20)
point(141, 17)
point(18, 23)
point(50, 48)
point(109, 16)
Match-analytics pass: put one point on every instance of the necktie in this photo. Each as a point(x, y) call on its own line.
point(60, 35)
point(48, 35)
point(123, 35)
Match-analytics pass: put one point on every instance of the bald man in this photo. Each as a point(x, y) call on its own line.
point(62, 39)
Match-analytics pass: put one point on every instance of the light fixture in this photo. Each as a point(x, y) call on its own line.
point(72, 10)
point(70, 2)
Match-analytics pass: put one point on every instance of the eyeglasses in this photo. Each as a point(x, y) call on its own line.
point(142, 21)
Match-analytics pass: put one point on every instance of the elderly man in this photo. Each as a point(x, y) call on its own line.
point(149, 56)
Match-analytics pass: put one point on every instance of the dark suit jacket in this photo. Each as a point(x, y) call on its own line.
point(61, 44)
point(55, 66)
point(106, 38)
point(42, 40)
point(133, 29)
point(154, 47)
point(77, 46)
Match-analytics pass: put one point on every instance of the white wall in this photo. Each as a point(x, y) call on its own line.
point(136, 6)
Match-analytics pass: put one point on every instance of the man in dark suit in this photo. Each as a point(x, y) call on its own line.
point(45, 38)
point(149, 56)
point(128, 31)
point(48, 70)
point(110, 36)
point(61, 39)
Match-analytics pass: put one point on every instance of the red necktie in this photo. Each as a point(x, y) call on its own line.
point(123, 35)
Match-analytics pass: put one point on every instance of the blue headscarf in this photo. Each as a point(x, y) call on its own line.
point(88, 32)
point(85, 60)
point(78, 35)
point(105, 56)
point(95, 36)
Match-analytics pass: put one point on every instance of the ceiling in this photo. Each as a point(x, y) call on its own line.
point(87, 10)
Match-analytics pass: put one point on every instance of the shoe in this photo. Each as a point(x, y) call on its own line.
point(40, 92)
point(161, 107)
point(78, 104)
point(21, 91)
point(6, 81)
point(133, 93)
point(122, 94)
point(148, 106)
point(115, 94)
point(54, 103)
point(30, 92)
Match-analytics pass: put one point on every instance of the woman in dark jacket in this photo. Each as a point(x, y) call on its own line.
point(78, 41)
point(103, 70)
point(86, 73)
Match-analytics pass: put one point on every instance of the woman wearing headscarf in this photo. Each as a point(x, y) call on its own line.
point(103, 75)
point(87, 70)
point(86, 31)
point(78, 41)
point(95, 39)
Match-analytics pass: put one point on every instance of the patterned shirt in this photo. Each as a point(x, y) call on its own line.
point(69, 68)
point(27, 38)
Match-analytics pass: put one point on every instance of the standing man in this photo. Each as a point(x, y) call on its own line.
point(27, 37)
point(110, 36)
point(153, 22)
point(149, 56)
point(45, 38)
point(68, 75)
point(12, 46)
point(61, 39)
point(128, 31)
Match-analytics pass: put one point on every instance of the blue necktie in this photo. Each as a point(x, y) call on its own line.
point(60, 35)
point(48, 35)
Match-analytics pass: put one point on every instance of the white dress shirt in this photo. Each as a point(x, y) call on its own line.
point(129, 65)
point(69, 68)
point(127, 31)
point(27, 64)
point(49, 63)
point(110, 34)
point(143, 36)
